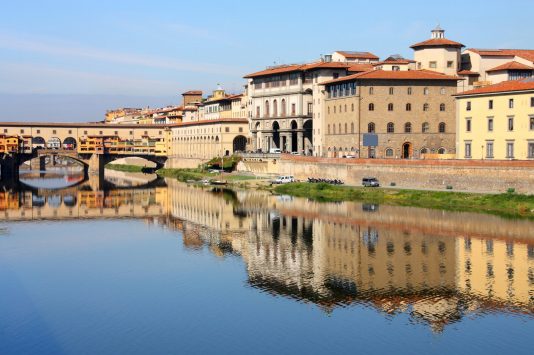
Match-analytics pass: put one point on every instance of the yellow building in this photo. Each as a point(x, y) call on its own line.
point(496, 121)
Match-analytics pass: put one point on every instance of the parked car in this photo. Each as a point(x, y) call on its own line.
point(275, 151)
point(284, 179)
point(370, 182)
point(349, 156)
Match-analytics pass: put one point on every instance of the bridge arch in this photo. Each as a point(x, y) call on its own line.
point(53, 143)
point(38, 142)
point(69, 143)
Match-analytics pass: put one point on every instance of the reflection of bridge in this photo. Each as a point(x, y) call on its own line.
point(93, 145)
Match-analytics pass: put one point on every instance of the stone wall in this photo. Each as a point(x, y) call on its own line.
point(183, 163)
point(462, 175)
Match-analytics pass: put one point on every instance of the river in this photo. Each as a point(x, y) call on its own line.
point(160, 267)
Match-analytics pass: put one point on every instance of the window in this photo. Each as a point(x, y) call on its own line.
point(510, 150)
point(441, 127)
point(352, 107)
point(22, 131)
point(391, 91)
point(293, 109)
point(275, 108)
point(390, 107)
point(310, 108)
point(38, 131)
point(468, 149)
point(407, 127)
point(335, 75)
point(532, 123)
point(328, 110)
point(425, 127)
point(510, 103)
point(450, 63)
point(283, 108)
point(468, 106)
point(432, 64)
point(468, 125)
point(489, 149)
point(371, 90)
point(391, 127)
point(425, 91)
point(532, 102)
point(425, 107)
point(408, 107)
point(54, 132)
point(442, 107)
point(442, 91)
point(334, 109)
point(266, 109)
point(510, 123)
point(371, 127)
point(293, 79)
point(334, 128)
point(371, 107)
point(490, 124)
point(530, 150)
point(346, 131)
point(490, 104)
point(389, 152)
point(328, 129)
point(352, 127)
point(409, 90)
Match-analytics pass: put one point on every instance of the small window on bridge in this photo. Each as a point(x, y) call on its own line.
point(100, 132)
point(53, 131)
point(131, 132)
point(70, 131)
point(5, 130)
point(116, 132)
point(84, 132)
point(38, 131)
point(22, 131)
point(146, 133)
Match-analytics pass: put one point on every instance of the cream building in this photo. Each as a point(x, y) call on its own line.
point(496, 122)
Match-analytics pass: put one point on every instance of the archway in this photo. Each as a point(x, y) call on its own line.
point(276, 135)
point(38, 142)
point(308, 137)
point(407, 150)
point(69, 143)
point(294, 142)
point(239, 144)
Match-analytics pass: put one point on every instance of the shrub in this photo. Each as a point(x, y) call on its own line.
point(393, 184)
point(510, 190)
point(449, 187)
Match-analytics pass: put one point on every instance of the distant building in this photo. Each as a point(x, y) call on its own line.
point(496, 121)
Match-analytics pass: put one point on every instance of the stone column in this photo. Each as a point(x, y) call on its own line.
point(254, 141)
point(300, 141)
point(290, 142)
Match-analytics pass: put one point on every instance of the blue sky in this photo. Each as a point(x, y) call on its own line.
point(93, 54)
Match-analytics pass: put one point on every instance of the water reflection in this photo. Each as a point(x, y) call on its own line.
point(436, 267)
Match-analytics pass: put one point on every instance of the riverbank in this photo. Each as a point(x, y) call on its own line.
point(507, 204)
point(125, 167)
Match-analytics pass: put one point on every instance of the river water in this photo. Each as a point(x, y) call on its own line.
point(164, 268)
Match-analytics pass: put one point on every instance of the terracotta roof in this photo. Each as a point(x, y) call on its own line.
point(437, 42)
point(505, 86)
point(193, 92)
point(395, 75)
point(358, 68)
point(468, 73)
point(219, 120)
point(357, 55)
point(298, 67)
point(513, 65)
point(527, 54)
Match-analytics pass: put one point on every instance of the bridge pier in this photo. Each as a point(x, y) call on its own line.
point(9, 168)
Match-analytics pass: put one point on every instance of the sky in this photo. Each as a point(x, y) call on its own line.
point(72, 60)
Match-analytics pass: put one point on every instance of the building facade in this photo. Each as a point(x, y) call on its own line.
point(496, 122)
point(410, 113)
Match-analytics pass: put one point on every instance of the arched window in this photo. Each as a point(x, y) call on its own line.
point(334, 129)
point(390, 107)
point(284, 109)
point(371, 107)
point(352, 127)
point(407, 127)
point(425, 127)
point(257, 112)
point(328, 129)
point(408, 107)
point(409, 90)
point(346, 129)
point(334, 109)
point(339, 126)
point(425, 91)
point(371, 90)
point(345, 108)
point(328, 109)
point(442, 107)
point(391, 91)
point(442, 127)
point(389, 153)
point(441, 151)
point(275, 108)
point(266, 108)
point(352, 107)
point(425, 107)
point(371, 127)
point(391, 127)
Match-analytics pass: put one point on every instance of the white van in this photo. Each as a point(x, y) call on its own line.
point(275, 151)
point(284, 179)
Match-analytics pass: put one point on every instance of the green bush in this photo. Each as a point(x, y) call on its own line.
point(510, 190)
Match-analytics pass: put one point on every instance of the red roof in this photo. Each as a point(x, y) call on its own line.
point(358, 68)
point(513, 65)
point(527, 54)
point(297, 67)
point(357, 55)
point(468, 73)
point(395, 75)
point(505, 86)
point(437, 42)
point(193, 92)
